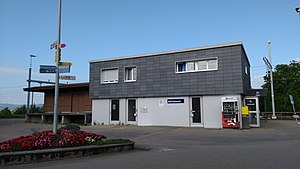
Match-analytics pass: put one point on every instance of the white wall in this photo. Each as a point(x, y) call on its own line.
point(212, 112)
point(122, 110)
point(100, 112)
point(157, 112)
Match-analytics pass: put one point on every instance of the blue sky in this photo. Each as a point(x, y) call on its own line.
point(95, 29)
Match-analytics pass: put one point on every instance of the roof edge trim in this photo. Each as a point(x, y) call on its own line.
point(168, 52)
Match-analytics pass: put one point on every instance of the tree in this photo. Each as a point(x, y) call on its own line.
point(35, 109)
point(5, 112)
point(20, 110)
point(286, 80)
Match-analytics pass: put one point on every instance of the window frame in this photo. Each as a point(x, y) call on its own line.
point(196, 66)
point(125, 73)
point(111, 68)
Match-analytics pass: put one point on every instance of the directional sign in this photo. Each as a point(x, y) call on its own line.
point(267, 62)
point(51, 69)
point(47, 69)
point(53, 45)
point(65, 64)
point(62, 45)
point(67, 77)
point(64, 69)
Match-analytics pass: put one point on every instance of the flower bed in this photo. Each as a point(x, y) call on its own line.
point(47, 139)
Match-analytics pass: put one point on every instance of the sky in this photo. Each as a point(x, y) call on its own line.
point(97, 29)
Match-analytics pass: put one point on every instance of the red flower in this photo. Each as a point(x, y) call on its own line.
point(46, 139)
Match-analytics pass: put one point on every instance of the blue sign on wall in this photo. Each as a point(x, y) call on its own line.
point(175, 101)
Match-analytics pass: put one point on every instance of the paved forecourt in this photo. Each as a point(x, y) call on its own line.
point(275, 145)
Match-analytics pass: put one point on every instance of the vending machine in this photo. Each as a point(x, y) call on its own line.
point(230, 112)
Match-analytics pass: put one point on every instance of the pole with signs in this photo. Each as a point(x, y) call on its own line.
point(57, 60)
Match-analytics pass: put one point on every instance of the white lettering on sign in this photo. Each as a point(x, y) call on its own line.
point(62, 77)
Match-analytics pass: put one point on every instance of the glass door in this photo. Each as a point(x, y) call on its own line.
point(196, 118)
point(131, 111)
point(115, 112)
point(253, 108)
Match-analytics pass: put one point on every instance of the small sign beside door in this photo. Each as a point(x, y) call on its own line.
point(175, 101)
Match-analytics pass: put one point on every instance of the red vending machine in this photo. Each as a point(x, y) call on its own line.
point(230, 112)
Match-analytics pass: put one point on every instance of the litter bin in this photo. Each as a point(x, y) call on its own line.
point(245, 122)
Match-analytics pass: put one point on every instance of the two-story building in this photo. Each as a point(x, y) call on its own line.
point(203, 86)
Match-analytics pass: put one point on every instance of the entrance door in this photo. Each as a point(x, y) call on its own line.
point(115, 112)
point(131, 111)
point(196, 119)
point(252, 103)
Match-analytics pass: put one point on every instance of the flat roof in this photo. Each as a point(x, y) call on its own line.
point(168, 52)
point(61, 86)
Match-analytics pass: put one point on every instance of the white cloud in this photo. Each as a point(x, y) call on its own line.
point(296, 59)
point(13, 71)
point(24, 72)
point(257, 81)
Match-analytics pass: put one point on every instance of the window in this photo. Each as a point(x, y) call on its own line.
point(197, 65)
point(202, 65)
point(212, 64)
point(181, 67)
point(251, 103)
point(130, 74)
point(109, 75)
point(190, 66)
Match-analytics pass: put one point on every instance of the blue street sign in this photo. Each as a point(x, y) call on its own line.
point(51, 69)
point(175, 101)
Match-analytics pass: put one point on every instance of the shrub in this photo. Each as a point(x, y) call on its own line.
point(47, 139)
point(5, 112)
point(20, 110)
point(72, 127)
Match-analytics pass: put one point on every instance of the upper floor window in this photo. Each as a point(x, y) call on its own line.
point(130, 74)
point(109, 75)
point(197, 65)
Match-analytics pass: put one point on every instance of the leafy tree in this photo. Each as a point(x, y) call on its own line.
point(20, 110)
point(35, 109)
point(5, 112)
point(286, 80)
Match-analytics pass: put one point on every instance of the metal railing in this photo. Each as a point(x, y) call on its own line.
point(279, 115)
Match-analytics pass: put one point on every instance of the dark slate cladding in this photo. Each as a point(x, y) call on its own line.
point(156, 75)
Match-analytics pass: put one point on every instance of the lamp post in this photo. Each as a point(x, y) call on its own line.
point(29, 83)
point(271, 81)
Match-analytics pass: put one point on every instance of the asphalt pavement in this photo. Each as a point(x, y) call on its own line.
point(275, 145)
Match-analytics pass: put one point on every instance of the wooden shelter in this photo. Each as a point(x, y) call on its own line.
point(75, 106)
